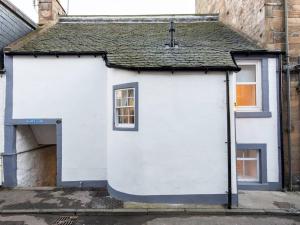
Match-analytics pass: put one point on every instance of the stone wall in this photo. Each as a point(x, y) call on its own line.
point(49, 11)
point(247, 16)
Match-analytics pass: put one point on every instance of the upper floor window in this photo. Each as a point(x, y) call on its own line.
point(125, 106)
point(248, 86)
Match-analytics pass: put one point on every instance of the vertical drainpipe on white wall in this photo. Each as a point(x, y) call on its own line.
point(229, 205)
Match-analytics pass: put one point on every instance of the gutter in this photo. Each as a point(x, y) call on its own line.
point(288, 77)
point(229, 205)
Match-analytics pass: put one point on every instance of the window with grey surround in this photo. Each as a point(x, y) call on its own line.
point(251, 166)
point(252, 89)
point(248, 165)
point(125, 107)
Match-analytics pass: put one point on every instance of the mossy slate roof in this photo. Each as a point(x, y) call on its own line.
point(142, 44)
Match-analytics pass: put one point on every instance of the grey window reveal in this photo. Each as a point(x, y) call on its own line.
point(125, 107)
point(251, 165)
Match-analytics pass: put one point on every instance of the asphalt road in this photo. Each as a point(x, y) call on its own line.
point(147, 220)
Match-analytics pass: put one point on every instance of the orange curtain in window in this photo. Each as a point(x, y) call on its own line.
point(246, 95)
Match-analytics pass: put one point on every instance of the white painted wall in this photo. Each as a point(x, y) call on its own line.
point(73, 89)
point(2, 109)
point(180, 146)
point(264, 130)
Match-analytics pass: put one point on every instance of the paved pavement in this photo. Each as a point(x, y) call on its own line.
point(24, 199)
point(148, 220)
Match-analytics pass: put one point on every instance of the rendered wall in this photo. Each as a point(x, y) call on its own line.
point(264, 130)
point(74, 90)
point(180, 147)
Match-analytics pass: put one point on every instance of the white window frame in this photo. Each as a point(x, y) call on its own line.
point(257, 179)
point(124, 125)
point(258, 106)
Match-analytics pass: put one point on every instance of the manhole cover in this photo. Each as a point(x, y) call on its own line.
point(65, 220)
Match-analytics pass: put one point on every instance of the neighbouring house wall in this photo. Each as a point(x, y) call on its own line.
point(247, 16)
point(264, 130)
point(12, 28)
point(72, 89)
point(182, 135)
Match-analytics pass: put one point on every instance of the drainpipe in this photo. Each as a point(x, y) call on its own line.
point(288, 80)
point(229, 205)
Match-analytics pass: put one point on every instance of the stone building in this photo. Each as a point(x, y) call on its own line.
point(264, 22)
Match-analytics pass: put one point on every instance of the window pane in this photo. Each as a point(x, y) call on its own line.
point(239, 167)
point(247, 74)
point(131, 101)
point(124, 93)
point(118, 112)
point(246, 95)
point(251, 154)
point(118, 101)
point(251, 169)
point(118, 93)
point(239, 154)
point(131, 119)
point(124, 101)
point(131, 111)
point(130, 93)
point(126, 119)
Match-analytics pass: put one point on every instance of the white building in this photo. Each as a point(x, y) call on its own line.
point(117, 102)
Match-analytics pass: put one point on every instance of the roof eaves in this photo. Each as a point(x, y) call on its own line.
point(172, 68)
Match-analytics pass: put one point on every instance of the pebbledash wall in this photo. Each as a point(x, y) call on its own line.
point(167, 159)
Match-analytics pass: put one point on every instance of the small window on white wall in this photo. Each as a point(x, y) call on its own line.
point(248, 86)
point(248, 165)
point(125, 106)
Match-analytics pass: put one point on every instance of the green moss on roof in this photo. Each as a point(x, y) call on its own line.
point(142, 45)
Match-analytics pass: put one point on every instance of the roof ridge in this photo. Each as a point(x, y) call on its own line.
point(139, 18)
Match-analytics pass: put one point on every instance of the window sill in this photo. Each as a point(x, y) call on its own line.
point(253, 114)
point(125, 128)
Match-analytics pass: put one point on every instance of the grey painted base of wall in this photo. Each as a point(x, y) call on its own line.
point(216, 199)
point(271, 186)
point(83, 184)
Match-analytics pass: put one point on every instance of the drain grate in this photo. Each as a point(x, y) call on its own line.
point(65, 220)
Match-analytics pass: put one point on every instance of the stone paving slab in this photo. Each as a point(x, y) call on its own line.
point(18, 199)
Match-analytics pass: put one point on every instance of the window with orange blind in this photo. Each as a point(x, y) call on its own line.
point(246, 86)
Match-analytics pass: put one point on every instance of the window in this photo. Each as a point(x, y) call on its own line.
point(125, 106)
point(248, 86)
point(248, 165)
